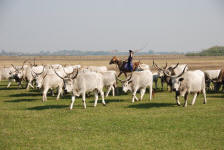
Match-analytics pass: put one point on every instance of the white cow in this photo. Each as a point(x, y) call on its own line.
point(19, 73)
point(109, 80)
point(189, 82)
point(6, 74)
point(155, 78)
point(138, 80)
point(56, 66)
point(81, 83)
point(46, 81)
point(76, 66)
point(97, 68)
point(144, 67)
point(26, 73)
point(166, 72)
point(211, 76)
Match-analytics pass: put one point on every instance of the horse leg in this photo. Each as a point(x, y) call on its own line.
point(119, 74)
point(125, 74)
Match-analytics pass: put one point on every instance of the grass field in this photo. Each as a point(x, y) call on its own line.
point(28, 123)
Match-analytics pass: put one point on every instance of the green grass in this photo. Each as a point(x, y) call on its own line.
point(28, 123)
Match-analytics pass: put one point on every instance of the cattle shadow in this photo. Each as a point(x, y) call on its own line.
point(108, 101)
point(25, 94)
point(10, 88)
point(216, 96)
point(151, 105)
point(20, 100)
point(48, 107)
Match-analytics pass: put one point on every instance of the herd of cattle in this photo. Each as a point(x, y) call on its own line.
point(80, 80)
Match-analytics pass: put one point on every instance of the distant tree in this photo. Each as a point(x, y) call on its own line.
point(212, 51)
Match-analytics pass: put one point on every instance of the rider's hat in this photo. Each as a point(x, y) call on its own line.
point(130, 51)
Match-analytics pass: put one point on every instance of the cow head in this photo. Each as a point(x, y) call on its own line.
point(68, 80)
point(126, 84)
point(166, 73)
point(177, 81)
point(39, 77)
point(160, 69)
point(19, 72)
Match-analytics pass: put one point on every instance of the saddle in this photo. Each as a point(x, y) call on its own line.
point(132, 67)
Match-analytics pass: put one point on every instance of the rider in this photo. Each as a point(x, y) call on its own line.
point(130, 65)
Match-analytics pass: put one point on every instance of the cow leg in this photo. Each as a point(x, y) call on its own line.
point(45, 94)
point(177, 99)
point(113, 90)
point(52, 91)
point(72, 103)
point(62, 92)
point(125, 74)
point(102, 96)
point(194, 98)
point(142, 91)
point(59, 92)
point(10, 82)
point(96, 98)
point(185, 98)
point(20, 84)
point(156, 84)
point(204, 95)
point(161, 80)
point(84, 99)
point(207, 85)
point(28, 86)
point(150, 92)
point(109, 89)
point(119, 74)
point(134, 96)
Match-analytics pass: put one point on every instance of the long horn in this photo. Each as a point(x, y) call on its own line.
point(41, 71)
point(182, 72)
point(155, 65)
point(33, 74)
point(176, 76)
point(119, 79)
point(124, 80)
point(58, 74)
point(34, 61)
point(68, 73)
point(175, 66)
point(165, 66)
point(77, 72)
point(14, 67)
point(24, 63)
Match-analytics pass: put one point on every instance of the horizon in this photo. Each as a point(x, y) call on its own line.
point(174, 26)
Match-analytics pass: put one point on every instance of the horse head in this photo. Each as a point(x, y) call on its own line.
point(114, 60)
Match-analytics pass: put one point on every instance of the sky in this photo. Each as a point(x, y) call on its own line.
point(106, 25)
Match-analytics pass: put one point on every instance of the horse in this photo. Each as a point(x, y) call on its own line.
point(122, 65)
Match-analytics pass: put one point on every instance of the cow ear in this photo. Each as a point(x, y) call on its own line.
point(181, 79)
